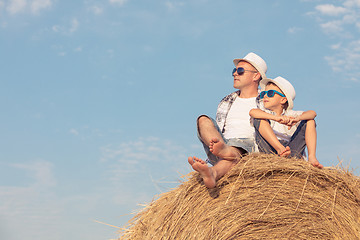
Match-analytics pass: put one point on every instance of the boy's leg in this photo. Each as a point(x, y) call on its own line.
point(267, 140)
point(305, 136)
point(310, 139)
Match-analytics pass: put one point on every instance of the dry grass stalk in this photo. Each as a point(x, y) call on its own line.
point(263, 197)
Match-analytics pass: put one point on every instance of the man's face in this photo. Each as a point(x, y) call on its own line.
point(245, 79)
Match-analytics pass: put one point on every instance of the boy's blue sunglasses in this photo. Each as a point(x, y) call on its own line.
point(270, 93)
point(241, 71)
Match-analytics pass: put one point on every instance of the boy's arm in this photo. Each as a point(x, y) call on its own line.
point(308, 115)
point(258, 113)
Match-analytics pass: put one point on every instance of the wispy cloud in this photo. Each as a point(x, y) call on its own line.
point(69, 28)
point(38, 5)
point(172, 5)
point(118, 2)
point(74, 25)
point(16, 6)
point(331, 10)
point(19, 6)
point(40, 170)
point(342, 23)
point(294, 30)
point(96, 10)
point(137, 156)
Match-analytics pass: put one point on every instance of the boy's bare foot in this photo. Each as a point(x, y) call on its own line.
point(205, 171)
point(285, 152)
point(223, 151)
point(313, 161)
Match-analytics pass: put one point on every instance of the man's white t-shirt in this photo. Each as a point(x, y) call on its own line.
point(238, 119)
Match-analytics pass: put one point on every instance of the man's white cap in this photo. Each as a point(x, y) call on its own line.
point(285, 86)
point(258, 63)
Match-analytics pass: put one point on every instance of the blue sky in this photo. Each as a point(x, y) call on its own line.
point(99, 99)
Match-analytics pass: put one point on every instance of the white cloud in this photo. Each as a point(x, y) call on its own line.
point(16, 6)
point(346, 60)
point(352, 3)
point(171, 5)
point(70, 29)
point(331, 10)
point(78, 49)
point(74, 132)
point(74, 25)
point(342, 23)
point(332, 27)
point(37, 5)
point(96, 10)
point(20, 6)
point(118, 2)
point(41, 171)
point(136, 156)
point(294, 30)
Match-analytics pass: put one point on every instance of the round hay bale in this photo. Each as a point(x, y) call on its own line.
point(262, 197)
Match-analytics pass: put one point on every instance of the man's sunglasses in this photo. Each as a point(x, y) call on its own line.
point(241, 71)
point(270, 93)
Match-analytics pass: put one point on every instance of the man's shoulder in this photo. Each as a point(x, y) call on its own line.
point(230, 97)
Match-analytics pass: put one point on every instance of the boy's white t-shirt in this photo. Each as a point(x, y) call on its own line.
point(238, 119)
point(282, 131)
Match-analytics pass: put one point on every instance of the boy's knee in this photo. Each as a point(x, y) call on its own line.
point(257, 122)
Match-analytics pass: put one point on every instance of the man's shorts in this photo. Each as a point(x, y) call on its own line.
point(244, 144)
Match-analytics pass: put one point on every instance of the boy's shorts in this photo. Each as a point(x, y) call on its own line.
point(244, 144)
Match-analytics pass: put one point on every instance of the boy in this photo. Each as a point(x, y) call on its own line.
point(281, 130)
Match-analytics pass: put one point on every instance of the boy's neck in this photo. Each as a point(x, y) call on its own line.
point(278, 110)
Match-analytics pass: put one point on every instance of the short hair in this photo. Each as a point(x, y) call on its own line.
point(285, 105)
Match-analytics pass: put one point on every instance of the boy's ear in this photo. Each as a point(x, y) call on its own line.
point(283, 100)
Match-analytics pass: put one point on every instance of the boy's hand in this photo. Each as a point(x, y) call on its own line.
point(293, 121)
point(283, 120)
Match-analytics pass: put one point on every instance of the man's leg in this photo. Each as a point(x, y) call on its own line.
point(210, 136)
point(210, 175)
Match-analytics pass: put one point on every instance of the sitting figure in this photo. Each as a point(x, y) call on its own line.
point(279, 129)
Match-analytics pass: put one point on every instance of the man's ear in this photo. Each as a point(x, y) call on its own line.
point(257, 77)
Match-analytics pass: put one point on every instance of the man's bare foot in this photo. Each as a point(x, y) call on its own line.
point(205, 171)
point(313, 161)
point(285, 152)
point(223, 151)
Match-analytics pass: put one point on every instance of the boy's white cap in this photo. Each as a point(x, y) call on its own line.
point(255, 60)
point(285, 86)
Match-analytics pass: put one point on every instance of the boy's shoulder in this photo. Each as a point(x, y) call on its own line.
point(293, 113)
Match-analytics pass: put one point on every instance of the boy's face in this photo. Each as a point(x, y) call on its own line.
point(276, 102)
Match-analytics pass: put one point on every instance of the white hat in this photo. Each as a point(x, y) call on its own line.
point(285, 86)
point(255, 60)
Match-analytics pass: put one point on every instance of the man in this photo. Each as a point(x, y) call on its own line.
point(231, 136)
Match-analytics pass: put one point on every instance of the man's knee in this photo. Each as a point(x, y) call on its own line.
point(203, 120)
